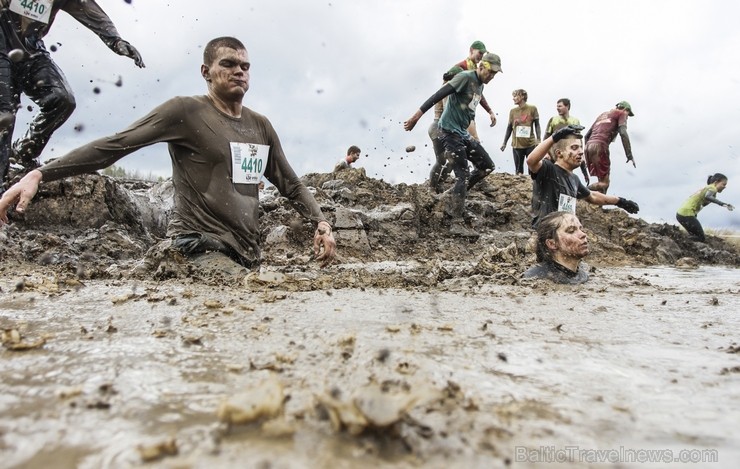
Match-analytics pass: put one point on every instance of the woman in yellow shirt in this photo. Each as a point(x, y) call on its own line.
point(686, 214)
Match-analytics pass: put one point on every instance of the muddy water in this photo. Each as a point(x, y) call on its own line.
point(635, 359)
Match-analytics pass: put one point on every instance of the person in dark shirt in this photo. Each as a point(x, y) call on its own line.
point(555, 187)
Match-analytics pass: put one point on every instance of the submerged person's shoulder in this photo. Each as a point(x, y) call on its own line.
point(557, 273)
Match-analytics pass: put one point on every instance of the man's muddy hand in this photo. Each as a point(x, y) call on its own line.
point(20, 194)
point(124, 48)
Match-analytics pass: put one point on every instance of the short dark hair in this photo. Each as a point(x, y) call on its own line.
point(716, 177)
point(353, 149)
point(565, 101)
point(548, 229)
point(209, 53)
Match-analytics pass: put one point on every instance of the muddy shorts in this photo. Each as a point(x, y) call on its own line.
point(597, 159)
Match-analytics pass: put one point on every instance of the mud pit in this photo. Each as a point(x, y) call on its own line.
point(415, 349)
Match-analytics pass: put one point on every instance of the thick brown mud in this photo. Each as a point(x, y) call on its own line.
point(470, 374)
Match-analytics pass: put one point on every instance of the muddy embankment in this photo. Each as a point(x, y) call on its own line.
point(98, 227)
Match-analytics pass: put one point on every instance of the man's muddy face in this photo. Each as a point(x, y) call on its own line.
point(228, 75)
point(571, 239)
point(571, 153)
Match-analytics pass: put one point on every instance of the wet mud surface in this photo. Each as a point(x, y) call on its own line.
point(417, 347)
point(191, 375)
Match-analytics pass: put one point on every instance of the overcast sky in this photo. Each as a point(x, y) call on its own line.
point(330, 74)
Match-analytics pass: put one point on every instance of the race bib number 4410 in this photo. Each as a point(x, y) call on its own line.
point(36, 10)
point(248, 162)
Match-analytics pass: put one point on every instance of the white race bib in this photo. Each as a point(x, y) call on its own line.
point(567, 204)
point(474, 102)
point(523, 131)
point(248, 162)
point(36, 10)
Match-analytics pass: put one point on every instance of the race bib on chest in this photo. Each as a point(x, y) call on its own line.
point(248, 162)
point(36, 10)
point(474, 102)
point(523, 131)
point(567, 204)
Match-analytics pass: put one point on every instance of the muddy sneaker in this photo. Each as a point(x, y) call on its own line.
point(460, 230)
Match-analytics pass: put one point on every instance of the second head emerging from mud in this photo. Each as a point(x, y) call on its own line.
point(220, 150)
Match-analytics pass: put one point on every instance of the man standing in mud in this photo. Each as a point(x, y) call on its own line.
point(598, 138)
point(464, 90)
point(556, 188)
point(477, 49)
point(26, 67)
point(524, 123)
point(219, 149)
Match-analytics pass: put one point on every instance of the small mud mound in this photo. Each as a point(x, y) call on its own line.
point(99, 227)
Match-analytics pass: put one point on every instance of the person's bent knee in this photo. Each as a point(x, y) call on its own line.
point(59, 100)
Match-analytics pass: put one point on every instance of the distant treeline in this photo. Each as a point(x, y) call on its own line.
point(122, 173)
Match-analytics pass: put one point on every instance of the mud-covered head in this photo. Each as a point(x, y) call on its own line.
point(226, 69)
point(560, 235)
point(209, 52)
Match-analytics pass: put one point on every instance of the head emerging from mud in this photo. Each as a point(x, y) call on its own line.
point(561, 239)
point(226, 68)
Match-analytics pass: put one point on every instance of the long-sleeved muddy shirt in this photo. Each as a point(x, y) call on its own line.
point(217, 163)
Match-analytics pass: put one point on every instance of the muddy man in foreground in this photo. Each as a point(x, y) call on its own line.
point(220, 150)
point(26, 67)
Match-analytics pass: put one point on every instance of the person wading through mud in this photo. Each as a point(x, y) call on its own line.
point(561, 244)
point(598, 138)
point(555, 186)
point(686, 214)
point(219, 150)
point(464, 90)
point(26, 67)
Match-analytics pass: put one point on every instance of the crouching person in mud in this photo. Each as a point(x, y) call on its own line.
point(220, 150)
point(561, 244)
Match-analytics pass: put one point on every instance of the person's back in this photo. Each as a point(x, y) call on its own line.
point(606, 126)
